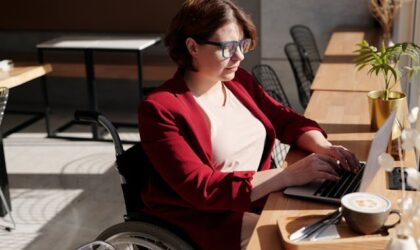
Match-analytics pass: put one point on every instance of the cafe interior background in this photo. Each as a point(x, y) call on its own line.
point(66, 192)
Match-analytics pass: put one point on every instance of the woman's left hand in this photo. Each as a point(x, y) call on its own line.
point(347, 159)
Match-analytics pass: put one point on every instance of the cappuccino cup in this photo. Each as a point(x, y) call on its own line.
point(367, 213)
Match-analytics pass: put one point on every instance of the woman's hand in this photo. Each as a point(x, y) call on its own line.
point(347, 159)
point(311, 168)
point(314, 141)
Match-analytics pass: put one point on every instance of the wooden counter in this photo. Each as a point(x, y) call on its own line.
point(337, 70)
point(338, 76)
point(343, 41)
point(339, 104)
point(345, 118)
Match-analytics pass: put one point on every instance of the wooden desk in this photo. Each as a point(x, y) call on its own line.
point(22, 74)
point(17, 76)
point(340, 114)
point(337, 70)
point(339, 108)
point(340, 105)
point(344, 77)
point(343, 40)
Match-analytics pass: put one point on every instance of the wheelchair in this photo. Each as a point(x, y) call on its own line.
point(138, 231)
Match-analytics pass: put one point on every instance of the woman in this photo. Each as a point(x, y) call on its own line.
point(209, 132)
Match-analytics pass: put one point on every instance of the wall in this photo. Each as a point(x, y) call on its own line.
point(24, 25)
point(273, 19)
point(88, 16)
point(321, 16)
point(253, 9)
point(45, 19)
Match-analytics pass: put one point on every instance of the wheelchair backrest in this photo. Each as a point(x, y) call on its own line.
point(135, 168)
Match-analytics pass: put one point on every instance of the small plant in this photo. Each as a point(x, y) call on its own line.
point(385, 61)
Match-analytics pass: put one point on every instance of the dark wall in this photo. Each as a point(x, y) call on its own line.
point(143, 16)
point(23, 24)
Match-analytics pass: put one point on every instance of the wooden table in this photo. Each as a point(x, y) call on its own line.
point(339, 76)
point(350, 129)
point(344, 39)
point(338, 107)
point(343, 113)
point(337, 70)
point(22, 74)
point(17, 76)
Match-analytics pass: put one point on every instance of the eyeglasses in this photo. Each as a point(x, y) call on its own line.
point(229, 48)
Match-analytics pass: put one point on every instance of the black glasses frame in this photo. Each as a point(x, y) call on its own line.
point(223, 45)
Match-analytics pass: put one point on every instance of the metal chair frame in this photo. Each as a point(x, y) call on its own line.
point(303, 36)
point(300, 69)
point(268, 79)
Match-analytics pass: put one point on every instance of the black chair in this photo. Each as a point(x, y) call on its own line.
point(267, 78)
point(300, 67)
point(304, 37)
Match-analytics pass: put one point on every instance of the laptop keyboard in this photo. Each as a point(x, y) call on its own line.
point(349, 182)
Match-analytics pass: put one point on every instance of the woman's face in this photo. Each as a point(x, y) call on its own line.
point(209, 60)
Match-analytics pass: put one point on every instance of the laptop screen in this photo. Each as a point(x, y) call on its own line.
point(378, 146)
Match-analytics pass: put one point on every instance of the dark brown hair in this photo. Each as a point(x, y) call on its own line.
point(200, 19)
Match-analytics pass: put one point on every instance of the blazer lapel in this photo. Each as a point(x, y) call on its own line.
point(196, 118)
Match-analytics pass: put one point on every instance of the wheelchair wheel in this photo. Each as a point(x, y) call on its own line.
point(138, 235)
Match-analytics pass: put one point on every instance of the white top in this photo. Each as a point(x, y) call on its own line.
point(237, 137)
point(100, 42)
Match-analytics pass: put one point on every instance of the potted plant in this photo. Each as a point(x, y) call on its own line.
point(384, 62)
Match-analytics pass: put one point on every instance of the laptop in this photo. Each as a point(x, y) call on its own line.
point(332, 191)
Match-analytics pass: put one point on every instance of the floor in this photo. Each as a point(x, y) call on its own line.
point(64, 193)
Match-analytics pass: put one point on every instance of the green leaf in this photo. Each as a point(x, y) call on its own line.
point(364, 43)
point(360, 67)
point(371, 71)
point(385, 61)
point(394, 73)
point(365, 60)
point(362, 56)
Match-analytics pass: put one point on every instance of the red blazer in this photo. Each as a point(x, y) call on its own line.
point(185, 188)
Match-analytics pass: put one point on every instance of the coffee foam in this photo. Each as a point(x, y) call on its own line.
point(365, 202)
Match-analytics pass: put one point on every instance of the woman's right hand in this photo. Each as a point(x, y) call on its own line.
point(311, 168)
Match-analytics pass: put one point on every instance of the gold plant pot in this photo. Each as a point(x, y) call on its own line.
point(380, 109)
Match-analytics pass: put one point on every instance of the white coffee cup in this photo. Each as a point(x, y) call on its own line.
point(367, 213)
